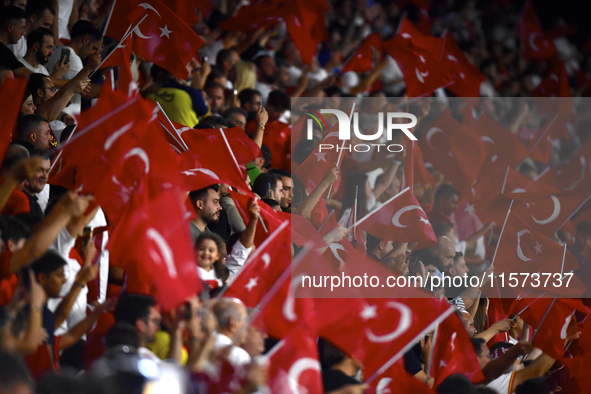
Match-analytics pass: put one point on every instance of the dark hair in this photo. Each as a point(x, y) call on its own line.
point(13, 371)
point(218, 266)
point(329, 355)
point(233, 111)
point(30, 219)
point(11, 14)
point(13, 228)
point(427, 257)
point(247, 96)
point(270, 202)
point(36, 81)
point(477, 344)
point(372, 242)
point(51, 261)
point(37, 36)
point(356, 179)
point(201, 194)
point(27, 94)
point(14, 155)
point(457, 257)
point(132, 307)
point(264, 183)
point(213, 84)
point(584, 227)
point(446, 191)
point(225, 55)
point(158, 73)
point(442, 228)
point(217, 71)
point(36, 152)
point(266, 156)
point(122, 333)
point(279, 100)
point(85, 28)
point(28, 122)
point(533, 386)
point(37, 8)
point(456, 384)
point(259, 60)
point(211, 122)
point(281, 172)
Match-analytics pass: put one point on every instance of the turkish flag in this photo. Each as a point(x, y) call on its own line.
point(432, 44)
point(467, 77)
point(210, 151)
point(362, 58)
point(260, 15)
point(534, 45)
point(503, 148)
point(159, 35)
point(302, 229)
point(270, 218)
point(575, 173)
point(11, 95)
point(401, 219)
point(495, 313)
point(278, 139)
point(397, 380)
point(293, 364)
point(415, 171)
point(552, 332)
point(312, 171)
point(456, 151)
point(523, 250)
point(187, 9)
point(453, 353)
point(578, 370)
point(306, 27)
point(421, 68)
point(263, 268)
point(154, 235)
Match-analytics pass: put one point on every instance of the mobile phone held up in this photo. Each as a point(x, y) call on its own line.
point(65, 56)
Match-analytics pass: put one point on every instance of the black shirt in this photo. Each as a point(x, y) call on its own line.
point(34, 205)
point(333, 379)
point(8, 59)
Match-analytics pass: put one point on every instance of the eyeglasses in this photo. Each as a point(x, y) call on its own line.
point(53, 89)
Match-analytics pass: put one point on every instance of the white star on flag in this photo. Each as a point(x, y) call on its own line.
point(470, 209)
point(165, 31)
point(368, 312)
point(494, 158)
point(538, 248)
point(442, 364)
point(320, 156)
point(252, 282)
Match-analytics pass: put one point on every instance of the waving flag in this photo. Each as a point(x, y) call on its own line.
point(534, 45)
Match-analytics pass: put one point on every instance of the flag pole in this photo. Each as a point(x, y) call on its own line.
point(492, 264)
point(383, 205)
point(431, 351)
point(60, 152)
point(262, 221)
point(108, 20)
point(342, 148)
point(355, 217)
point(255, 254)
point(180, 139)
point(490, 235)
point(543, 134)
point(540, 325)
point(326, 220)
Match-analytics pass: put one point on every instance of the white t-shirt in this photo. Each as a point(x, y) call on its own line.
point(265, 89)
point(41, 69)
point(65, 10)
point(20, 48)
point(238, 357)
point(43, 197)
point(503, 384)
point(99, 220)
point(75, 67)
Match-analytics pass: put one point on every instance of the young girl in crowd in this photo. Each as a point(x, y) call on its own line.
point(210, 261)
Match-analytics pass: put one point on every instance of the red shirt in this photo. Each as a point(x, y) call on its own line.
point(18, 202)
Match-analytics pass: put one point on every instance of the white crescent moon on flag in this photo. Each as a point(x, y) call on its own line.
point(288, 306)
point(487, 139)
point(303, 364)
point(554, 77)
point(420, 75)
point(406, 35)
point(382, 387)
point(139, 152)
point(165, 254)
point(563, 332)
point(334, 248)
point(532, 39)
point(116, 134)
point(554, 215)
point(266, 259)
point(519, 251)
point(430, 134)
point(398, 214)
point(403, 324)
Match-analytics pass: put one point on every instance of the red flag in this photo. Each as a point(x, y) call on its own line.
point(210, 151)
point(159, 35)
point(263, 268)
point(261, 15)
point(270, 218)
point(154, 235)
point(522, 250)
point(362, 59)
point(293, 364)
point(503, 148)
point(11, 95)
point(401, 219)
point(495, 313)
point(421, 68)
point(454, 150)
point(306, 27)
point(453, 353)
point(533, 43)
point(552, 332)
point(187, 9)
point(397, 380)
point(467, 77)
point(415, 171)
point(278, 139)
point(555, 84)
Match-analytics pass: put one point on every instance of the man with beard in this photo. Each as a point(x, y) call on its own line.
point(267, 74)
point(206, 202)
point(287, 190)
point(39, 48)
point(35, 129)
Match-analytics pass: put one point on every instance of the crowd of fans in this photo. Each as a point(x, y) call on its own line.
point(67, 322)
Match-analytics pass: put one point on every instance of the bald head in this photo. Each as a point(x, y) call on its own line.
point(231, 315)
point(446, 251)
